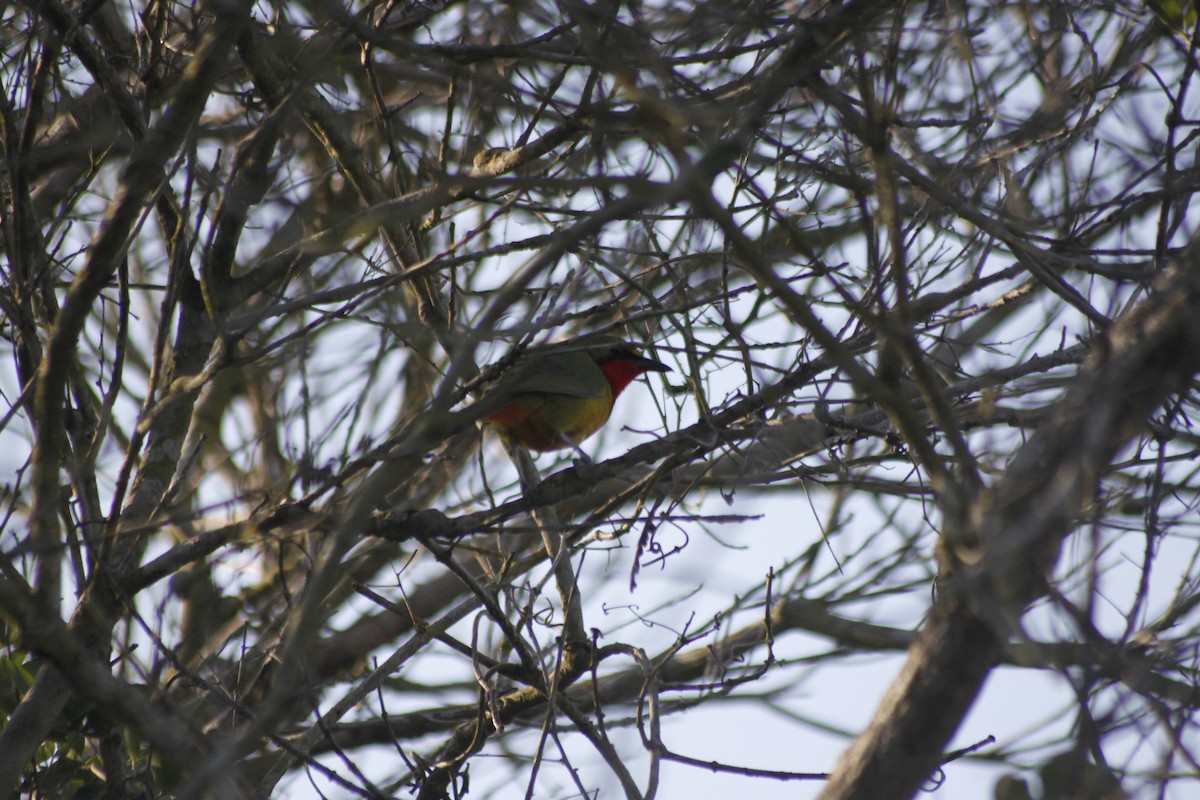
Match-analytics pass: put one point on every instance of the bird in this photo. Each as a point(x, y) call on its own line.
point(558, 396)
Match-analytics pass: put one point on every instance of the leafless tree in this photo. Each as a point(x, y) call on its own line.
point(926, 276)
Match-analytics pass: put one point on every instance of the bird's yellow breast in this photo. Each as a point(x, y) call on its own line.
point(540, 421)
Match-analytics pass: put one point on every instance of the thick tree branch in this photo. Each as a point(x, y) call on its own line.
point(995, 569)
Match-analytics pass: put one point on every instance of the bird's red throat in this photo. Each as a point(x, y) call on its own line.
point(620, 373)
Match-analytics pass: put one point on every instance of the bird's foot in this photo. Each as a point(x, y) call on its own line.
point(585, 468)
point(582, 463)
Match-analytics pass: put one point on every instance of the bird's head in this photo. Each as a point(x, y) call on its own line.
point(622, 362)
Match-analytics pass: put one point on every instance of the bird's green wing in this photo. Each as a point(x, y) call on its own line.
point(554, 373)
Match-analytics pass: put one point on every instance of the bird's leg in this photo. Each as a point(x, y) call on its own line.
point(584, 462)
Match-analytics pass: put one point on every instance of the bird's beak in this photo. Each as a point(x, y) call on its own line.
point(650, 365)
